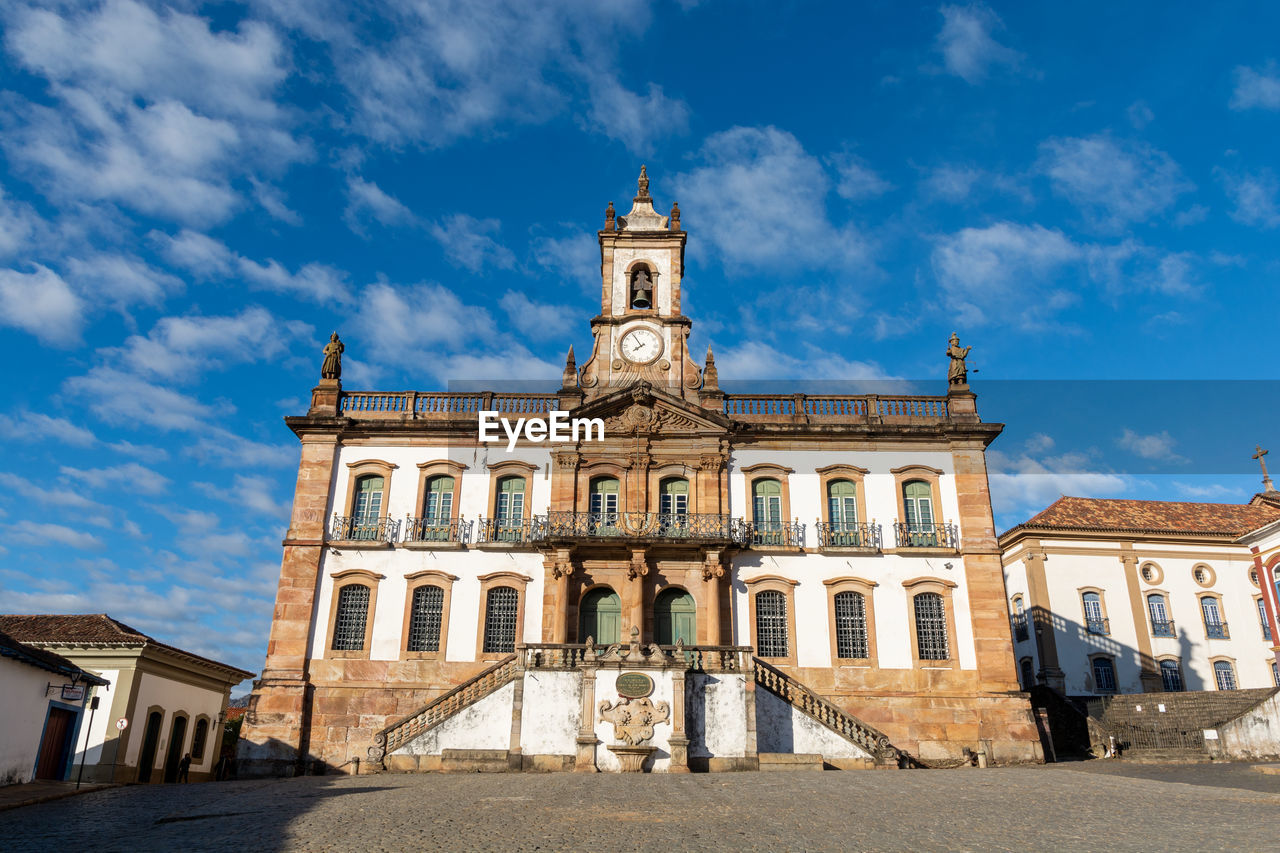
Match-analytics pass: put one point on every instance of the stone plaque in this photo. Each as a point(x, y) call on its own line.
point(634, 685)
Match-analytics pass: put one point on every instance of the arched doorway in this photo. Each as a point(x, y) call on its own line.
point(675, 617)
point(147, 758)
point(600, 617)
point(176, 739)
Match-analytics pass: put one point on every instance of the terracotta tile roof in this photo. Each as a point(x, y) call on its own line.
point(91, 629)
point(1107, 514)
point(1271, 498)
point(44, 659)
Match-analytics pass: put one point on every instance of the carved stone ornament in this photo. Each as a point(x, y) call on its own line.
point(633, 719)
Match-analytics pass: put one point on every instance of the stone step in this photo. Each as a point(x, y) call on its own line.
point(474, 761)
point(788, 761)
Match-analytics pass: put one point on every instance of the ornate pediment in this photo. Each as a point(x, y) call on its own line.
point(644, 410)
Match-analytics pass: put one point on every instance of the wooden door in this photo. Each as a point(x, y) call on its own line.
point(150, 741)
point(675, 618)
point(174, 755)
point(600, 617)
point(59, 728)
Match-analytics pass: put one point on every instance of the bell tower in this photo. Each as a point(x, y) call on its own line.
point(640, 333)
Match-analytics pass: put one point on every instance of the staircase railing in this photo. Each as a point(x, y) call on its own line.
point(442, 707)
point(814, 706)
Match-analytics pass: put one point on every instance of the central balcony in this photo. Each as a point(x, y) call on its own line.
point(847, 534)
point(641, 527)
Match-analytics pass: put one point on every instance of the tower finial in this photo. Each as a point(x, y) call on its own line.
point(1266, 478)
point(710, 376)
point(643, 184)
point(569, 379)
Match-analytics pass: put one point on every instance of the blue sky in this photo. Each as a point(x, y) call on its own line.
point(194, 195)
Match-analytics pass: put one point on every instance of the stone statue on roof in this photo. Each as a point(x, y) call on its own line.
point(332, 366)
point(957, 373)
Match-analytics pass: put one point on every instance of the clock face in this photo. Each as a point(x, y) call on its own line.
point(641, 346)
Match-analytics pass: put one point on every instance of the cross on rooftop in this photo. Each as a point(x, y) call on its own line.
point(1266, 478)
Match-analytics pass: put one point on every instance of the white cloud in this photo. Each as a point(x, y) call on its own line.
point(1139, 114)
point(18, 223)
point(969, 49)
point(40, 534)
point(1210, 491)
point(367, 201)
point(767, 196)
point(42, 304)
point(1025, 484)
point(120, 280)
point(181, 347)
point(1259, 88)
point(1113, 182)
point(223, 447)
point(1256, 196)
point(403, 325)
point(637, 121)
point(857, 180)
point(955, 183)
point(759, 360)
point(250, 493)
point(22, 489)
point(272, 201)
point(207, 258)
point(122, 398)
point(133, 477)
point(468, 242)
point(1157, 446)
point(197, 253)
point(537, 319)
point(574, 258)
point(34, 426)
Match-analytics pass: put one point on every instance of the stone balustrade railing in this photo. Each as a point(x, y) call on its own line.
point(578, 655)
point(420, 404)
point(814, 706)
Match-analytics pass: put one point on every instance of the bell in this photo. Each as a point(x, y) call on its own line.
point(643, 298)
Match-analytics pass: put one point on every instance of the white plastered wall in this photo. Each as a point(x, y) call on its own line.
point(23, 708)
point(175, 696)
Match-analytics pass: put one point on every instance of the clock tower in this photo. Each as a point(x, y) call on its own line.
point(640, 334)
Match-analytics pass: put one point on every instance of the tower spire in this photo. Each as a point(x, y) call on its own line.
point(1266, 478)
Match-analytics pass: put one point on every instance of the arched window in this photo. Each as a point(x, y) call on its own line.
point(1104, 675)
point(1214, 627)
point(1027, 674)
point(603, 505)
point(641, 290)
point(437, 503)
point(1275, 672)
point(1161, 624)
point(674, 618)
point(917, 503)
point(501, 610)
point(1171, 676)
point(198, 740)
point(600, 617)
point(771, 624)
point(842, 512)
point(351, 617)
point(425, 615)
point(851, 625)
point(1019, 620)
point(766, 511)
point(1095, 622)
point(931, 627)
point(508, 509)
point(1224, 675)
point(366, 510)
point(1262, 618)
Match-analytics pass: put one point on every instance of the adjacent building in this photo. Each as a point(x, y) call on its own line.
point(1126, 596)
point(156, 702)
point(840, 548)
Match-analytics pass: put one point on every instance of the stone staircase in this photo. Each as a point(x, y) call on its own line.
point(800, 697)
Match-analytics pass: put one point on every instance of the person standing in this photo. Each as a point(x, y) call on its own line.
point(184, 768)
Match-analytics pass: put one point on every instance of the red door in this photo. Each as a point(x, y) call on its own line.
point(56, 744)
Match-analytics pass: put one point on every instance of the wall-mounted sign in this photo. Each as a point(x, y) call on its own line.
point(122, 723)
point(634, 685)
point(72, 692)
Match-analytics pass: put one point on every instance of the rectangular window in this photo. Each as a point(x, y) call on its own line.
point(851, 625)
point(1171, 676)
point(771, 624)
point(1262, 618)
point(1104, 675)
point(1224, 675)
point(931, 627)
point(352, 616)
point(502, 608)
point(424, 619)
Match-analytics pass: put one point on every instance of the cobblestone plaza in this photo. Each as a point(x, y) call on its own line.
point(1093, 806)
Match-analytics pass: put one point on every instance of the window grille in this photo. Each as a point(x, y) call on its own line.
point(771, 624)
point(353, 612)
point(1028, 674)
point(500, 613)
point(424, 619)
point(1094, 621)
point(1148, 573)
point(851, 625)
point(199, 738)
point(931, 627)
point(1161, 624)
point(1224, 675)
point(1104, 675)
point(1171, 676)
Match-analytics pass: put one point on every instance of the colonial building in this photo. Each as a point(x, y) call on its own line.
point(1126, 596)
point(156, 702)
point(779, 568)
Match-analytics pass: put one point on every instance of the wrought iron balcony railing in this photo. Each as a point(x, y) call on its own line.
point(347, 528)
point(777, 534)
point(1102, 627)
point(1163, 628)
point(437, 530)
point(848, 535)
point(1217, 631)
point(1019, 622)
point(514, 531)
point(925, 535)
point(663, 526)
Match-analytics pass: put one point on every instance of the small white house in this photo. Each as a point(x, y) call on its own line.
point(43, 697)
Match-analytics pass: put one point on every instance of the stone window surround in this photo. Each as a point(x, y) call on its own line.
point(350, 577)
point(1102, 604)
point(866, 588)
point(909, 473)
point(768, 471)
point(516, 581)
point(365, 467)
point(595, 470)
point(672, 471)
point(511, 468)
point(436, 468)
point(852, 473)
point(198, 759)
point(786, 586)
point(1211, 577)
point(428, 577)
point(942, 587)
point(1213, 670)
point(1115, 673)
point(1157, 573)
point(1222, 613)
point(1168, 606)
